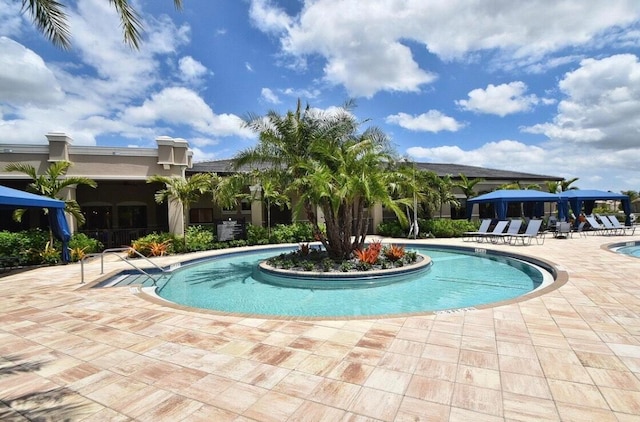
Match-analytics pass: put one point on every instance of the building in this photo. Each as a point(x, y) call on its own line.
point(123, 206)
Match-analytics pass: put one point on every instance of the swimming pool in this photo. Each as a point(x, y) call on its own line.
point(457, 279)
point(630, 248)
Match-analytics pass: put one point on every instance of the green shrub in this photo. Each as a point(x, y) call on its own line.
point(444, 227)
point(143, 244)
point(80, 245)
point(391, 228)
point(257, 235)
point(199, 238)
point(292, 233)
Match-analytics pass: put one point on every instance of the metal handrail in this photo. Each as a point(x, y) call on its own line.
point(114, 252)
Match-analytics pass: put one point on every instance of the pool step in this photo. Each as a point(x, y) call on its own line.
point(131, 279)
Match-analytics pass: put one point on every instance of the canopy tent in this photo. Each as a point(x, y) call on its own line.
point(501, 199)
point(13, 198)
point(577, 198)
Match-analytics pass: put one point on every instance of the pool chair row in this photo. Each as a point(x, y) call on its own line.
point(609, 225)
point(507, 232)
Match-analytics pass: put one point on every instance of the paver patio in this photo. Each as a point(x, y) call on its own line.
point(572, 354)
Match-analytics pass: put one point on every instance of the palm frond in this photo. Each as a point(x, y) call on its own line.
point(50, 19)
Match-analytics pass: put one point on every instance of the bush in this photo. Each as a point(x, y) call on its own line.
point(257, 235)
point(292, 233)
point(443, 227)
point(200, 238)
point(144, 244)
point(81, 245)
point(391, 228)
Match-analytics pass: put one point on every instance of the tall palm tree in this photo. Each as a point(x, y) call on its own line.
point(50, 19)
point(51, 185)
point(327, 164)
point(184, 191)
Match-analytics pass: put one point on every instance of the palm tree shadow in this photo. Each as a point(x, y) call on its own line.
point(57, 404)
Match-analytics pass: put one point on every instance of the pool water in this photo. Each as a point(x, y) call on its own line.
point(456, 280)
point(632, 250)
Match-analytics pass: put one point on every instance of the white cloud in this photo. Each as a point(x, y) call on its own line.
point(25, 78)
point(602, 105)
point(365, 51)
point(192, 71)
point(11, 18)
point(561, 160)
point(500, 100)
point(431, 121)
point(268, 18)
point(269, 96)
point(183, 106)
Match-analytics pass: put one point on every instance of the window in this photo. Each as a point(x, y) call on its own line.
point(132, 216)
point(201, 215)
point(97, 217)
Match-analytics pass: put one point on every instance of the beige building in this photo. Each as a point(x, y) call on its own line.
point(123, 207)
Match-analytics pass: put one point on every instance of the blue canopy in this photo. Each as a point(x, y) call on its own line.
point(577, 198)
point(14, 198)
point(501, 199)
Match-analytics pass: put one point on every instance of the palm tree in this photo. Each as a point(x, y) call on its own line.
point(50, 19)
point(445, 187)
point(272, 193)
point(184, 191)
point(323, 161)
point(51, 185)
point(467, 186)
point(565, 185)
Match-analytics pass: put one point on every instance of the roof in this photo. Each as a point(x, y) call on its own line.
point(18, 198)
point(523, 195)
point(589, 194)
point(441, 169)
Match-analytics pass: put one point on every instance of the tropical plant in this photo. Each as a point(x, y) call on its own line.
point(325, 163)
point(50, 18)
point(183, 190)
point(51, 184)
point(393, 252)
point(565, 185)
point(367, 255)
point(446, 196)
point(271, 193)
point(466, 185)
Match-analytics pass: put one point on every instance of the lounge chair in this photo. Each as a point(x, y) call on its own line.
point(621, 229)
point(532, 232)
point(514, 228)
point(579, 229)
point(597, 227)
point(483, 229)
point(492, 235)
point(604, 220)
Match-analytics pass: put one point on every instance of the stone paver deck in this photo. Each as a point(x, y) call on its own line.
point(572, 354)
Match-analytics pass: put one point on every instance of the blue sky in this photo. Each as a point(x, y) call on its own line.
point(546, 87)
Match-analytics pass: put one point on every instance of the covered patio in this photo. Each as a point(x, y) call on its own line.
point(502, 198)
point(14, 198)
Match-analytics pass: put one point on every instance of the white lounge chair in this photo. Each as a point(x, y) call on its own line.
point(597, 227)
point(532, 232)
point(492, 235)
point(514, 228)
point(483, 229)
point(621, 229)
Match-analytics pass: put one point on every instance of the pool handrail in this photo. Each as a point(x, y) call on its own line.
point(115, 251)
